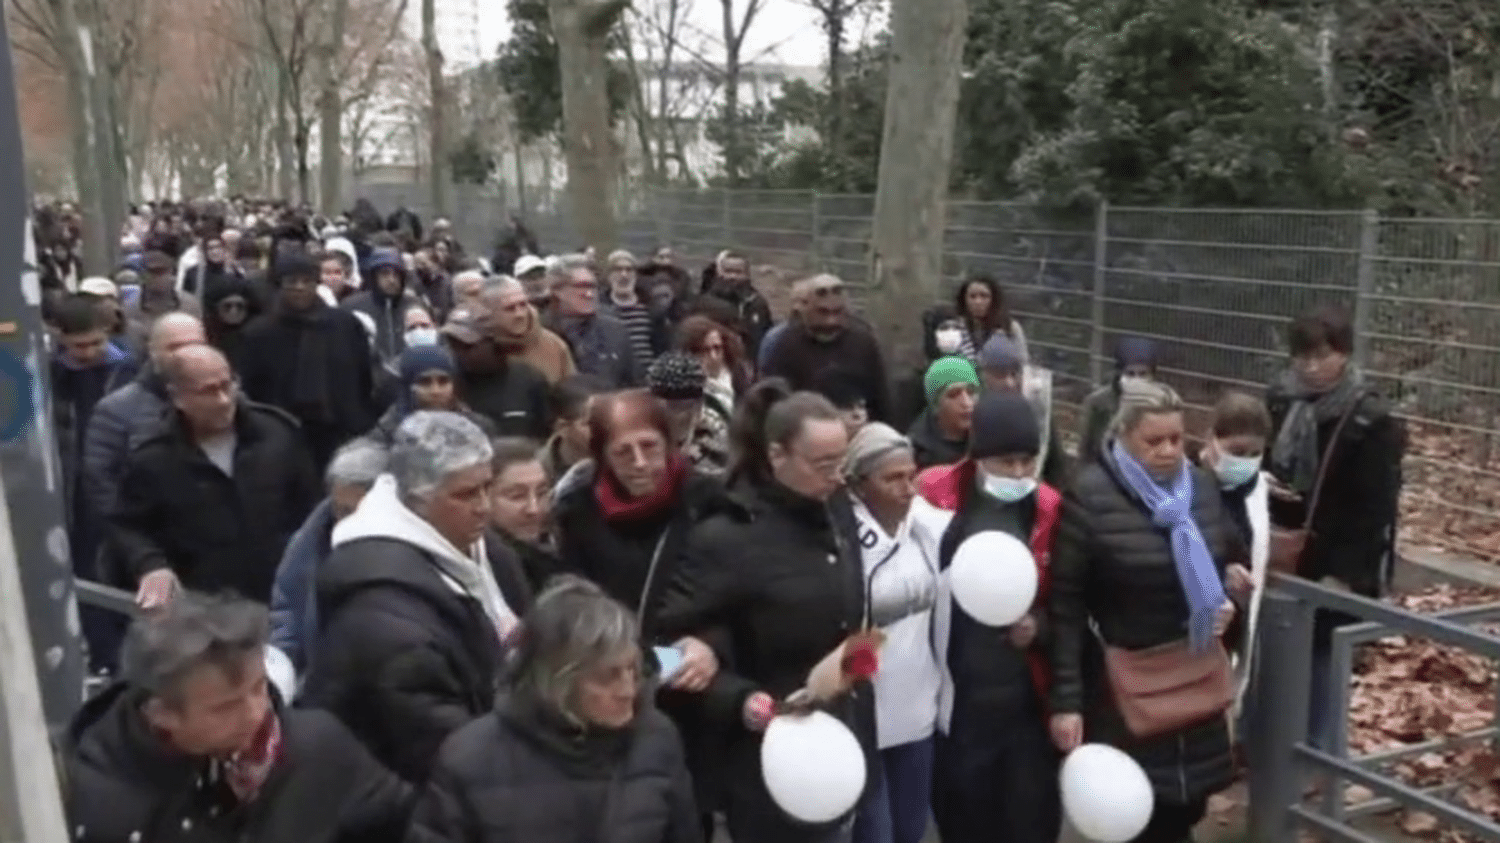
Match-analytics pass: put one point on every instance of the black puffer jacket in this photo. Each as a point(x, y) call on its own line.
point(401, 657)
point(1111, 563)
point(520, 776)
point(775, 582)
point(125, 786)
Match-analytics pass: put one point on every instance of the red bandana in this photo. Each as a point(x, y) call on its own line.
point(247, 770)
point(617, 507)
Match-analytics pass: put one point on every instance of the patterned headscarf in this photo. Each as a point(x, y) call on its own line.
point(676, 375)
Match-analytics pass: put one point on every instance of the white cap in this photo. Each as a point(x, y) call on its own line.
point(97, 286)
point(529, 263)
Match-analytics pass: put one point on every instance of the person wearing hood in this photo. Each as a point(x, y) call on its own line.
point(294, 616)
point(229, 303)
point(518, 330)
point(574, 750)
point(415, 604)
point(386, 301)
point(85, 367)
point(511, 394)
point(940, 435)
point(1003, 368)
point(311, 360)
point(1135, 358)
point(427, 376)
point(196, 743)
point(209, 501)
point(996, 766)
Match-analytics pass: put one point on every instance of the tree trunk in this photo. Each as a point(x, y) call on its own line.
point(286, 154)
point(927, 41)
point(330, 115)
point(734, 147)
point(833, 27)
point(437, 128)
point(86, 161)
point(582, 28)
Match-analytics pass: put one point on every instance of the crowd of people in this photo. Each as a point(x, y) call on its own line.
point(473, 501)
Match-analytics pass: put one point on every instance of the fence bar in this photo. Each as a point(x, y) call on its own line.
point(1409, 623)
point(1364, 285)
point(1101, 290)
point(1278, 715)
point(1409, 796)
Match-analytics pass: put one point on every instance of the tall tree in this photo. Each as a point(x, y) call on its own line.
point(927, 41)
point(737, 147)
point(330, 110)
point(833, 16)
point(582, 29)
point(437, 127)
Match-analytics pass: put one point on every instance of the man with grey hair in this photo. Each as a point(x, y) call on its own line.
point(413, 603)
point(192, 742)
point(600, 343)
point(517, 329)
point(624, 301)
point(354, 469)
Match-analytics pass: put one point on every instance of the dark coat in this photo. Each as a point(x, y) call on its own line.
point(517, 776)
point(774, 582)
point(124, 786)
point(178, 510)
point(1111, 564)
point(800, 358)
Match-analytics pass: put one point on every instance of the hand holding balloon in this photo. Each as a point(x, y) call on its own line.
point(813, 766)
point(758, 710)
point(994, 578)
point(1067, 731)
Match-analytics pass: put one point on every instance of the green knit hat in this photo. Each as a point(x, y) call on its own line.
point(945, 372)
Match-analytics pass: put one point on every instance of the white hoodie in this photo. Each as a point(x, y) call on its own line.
point(381, 514)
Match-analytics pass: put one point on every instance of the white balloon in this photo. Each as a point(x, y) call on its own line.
point(994, 578)
point(282, 674)
point(813, 766)
point(1105, 794)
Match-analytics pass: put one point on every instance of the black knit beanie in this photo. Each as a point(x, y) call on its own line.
point(1004, 423)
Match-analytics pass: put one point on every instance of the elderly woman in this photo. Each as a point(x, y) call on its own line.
point(624, 523)
point(996, 768)
point(575, 751)
point(413, 611)
point(1139, 559)
point(776, 581)
point(899, 535)
point(521, 512)
point(700, 422)
point(350, 475)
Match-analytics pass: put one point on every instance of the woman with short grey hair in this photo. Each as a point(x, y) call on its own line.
point(352, 471)
point(575, 751)
point(414, 611)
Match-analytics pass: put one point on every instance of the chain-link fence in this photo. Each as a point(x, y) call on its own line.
point(1215, 288)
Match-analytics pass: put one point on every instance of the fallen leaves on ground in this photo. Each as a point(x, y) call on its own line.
point(1450, 497)
point(1409, 691)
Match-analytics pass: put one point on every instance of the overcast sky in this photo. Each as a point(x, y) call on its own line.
point(785, 31)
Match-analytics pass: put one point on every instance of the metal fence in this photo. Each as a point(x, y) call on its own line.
point(1214, 287)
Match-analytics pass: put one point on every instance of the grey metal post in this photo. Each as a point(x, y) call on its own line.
point(818, 264)
point(1101, 283)
point(1364, 289)
point(1278, 715)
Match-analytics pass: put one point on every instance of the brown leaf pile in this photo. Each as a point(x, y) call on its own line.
point(1450, 497)
point(1409, 691)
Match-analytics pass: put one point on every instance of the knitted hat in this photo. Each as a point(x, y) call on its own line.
point(873, 443)
point(1004, 423)
point(418, 360)
point(945, 372)
point(293, 263)
point(676, 375)
point(1001, 354)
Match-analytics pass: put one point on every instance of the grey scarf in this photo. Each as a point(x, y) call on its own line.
point(1295, 455)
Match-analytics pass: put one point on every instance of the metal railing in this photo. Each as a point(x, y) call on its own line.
point(1281, 756)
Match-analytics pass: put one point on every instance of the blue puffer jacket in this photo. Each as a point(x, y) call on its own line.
point(293, 608)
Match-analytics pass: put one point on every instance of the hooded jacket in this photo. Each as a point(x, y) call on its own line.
point(409, 649)
point(387, 311)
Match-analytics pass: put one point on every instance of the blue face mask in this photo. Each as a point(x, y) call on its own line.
point(1008, 489)
point(1234, 472)
point(422, 336)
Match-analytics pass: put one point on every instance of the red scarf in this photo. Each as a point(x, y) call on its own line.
point(617, 507)
point(247, 770)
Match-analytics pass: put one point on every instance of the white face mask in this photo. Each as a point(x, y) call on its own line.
point(1008, 489)
point(948, 339)
point(422, 336)
point(1232, 471)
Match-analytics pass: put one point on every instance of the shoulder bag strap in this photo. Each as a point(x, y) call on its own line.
point(1338, 431)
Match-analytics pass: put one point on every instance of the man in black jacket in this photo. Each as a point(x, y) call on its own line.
point(194, 746)
point(209, 502)
point(828, 337)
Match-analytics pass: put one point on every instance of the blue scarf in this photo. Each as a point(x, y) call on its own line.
point(1172, 508)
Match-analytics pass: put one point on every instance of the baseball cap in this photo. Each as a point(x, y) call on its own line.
point(467, 323)
point(529, 263)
